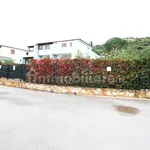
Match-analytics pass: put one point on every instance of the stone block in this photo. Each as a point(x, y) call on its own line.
point(77, 90)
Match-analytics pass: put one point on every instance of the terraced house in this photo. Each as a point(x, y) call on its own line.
point(61, 49)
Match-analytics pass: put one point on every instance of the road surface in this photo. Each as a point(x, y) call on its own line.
point(33, 120)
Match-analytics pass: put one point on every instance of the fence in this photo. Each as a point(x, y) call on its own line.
point(13, 71)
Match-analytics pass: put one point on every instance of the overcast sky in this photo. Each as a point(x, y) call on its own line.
point(27, 22)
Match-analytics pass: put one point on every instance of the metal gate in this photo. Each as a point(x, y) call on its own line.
point(13, 71)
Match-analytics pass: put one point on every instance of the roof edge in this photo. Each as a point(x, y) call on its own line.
point(13, 47)
point(64, 41)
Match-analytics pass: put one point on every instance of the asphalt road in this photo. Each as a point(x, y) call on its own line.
point(33, 120)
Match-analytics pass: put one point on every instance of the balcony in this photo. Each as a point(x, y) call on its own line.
point(43, 52)
point(31, 53)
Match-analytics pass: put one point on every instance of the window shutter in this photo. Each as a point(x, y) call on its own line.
point(12, 51)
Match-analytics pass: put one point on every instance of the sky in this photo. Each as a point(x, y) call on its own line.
point(27, 22)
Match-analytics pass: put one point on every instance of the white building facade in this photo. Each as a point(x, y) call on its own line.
point(61, 49)
point(12, 53)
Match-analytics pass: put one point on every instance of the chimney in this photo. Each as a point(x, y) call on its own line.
point(91, 43)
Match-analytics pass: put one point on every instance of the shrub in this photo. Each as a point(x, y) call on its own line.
point(91, 73)
point(6, 61)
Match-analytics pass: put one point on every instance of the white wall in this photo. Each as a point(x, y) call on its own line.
point(56, 49)
point(44, 52)
point(33, 53)
point(17, 57)
point(73, 50)
point(86, 50)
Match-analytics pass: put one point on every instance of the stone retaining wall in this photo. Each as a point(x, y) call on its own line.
point(78, 90)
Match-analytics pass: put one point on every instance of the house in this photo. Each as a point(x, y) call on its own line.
point(61, 49)
point(12, 53)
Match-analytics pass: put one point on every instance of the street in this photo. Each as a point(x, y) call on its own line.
point(35, 120)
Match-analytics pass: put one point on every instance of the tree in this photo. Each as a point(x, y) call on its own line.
point(99, 49)
point(115, 44)
point(126, 48)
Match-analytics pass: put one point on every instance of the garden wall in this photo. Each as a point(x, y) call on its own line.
point(78, 90)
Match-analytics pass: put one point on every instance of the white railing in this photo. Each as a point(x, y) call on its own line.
point(44, 52)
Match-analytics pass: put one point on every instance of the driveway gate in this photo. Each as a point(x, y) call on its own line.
point(13, 71)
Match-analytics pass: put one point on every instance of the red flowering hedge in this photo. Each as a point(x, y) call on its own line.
point(91, 73)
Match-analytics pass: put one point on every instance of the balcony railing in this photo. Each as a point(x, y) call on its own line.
point(44, 52)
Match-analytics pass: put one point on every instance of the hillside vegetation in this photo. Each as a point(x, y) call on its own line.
point(126, 48)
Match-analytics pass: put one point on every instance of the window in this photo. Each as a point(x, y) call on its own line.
point(40, 57)
point(71, 44)
point(64, 44)
point(47, 46)
point(40, 47)
point(54, 56)
point(12, 51)
point(31, 49)
point(64, 56)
